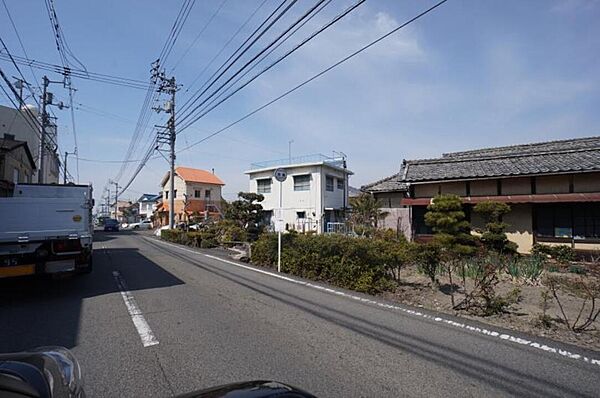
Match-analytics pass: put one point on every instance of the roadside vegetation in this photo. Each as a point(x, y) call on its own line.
point(469, 273)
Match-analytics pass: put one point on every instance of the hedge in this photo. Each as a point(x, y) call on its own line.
point(361, 264)
point(194, 239)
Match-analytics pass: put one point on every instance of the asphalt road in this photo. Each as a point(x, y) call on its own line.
point(199, 321)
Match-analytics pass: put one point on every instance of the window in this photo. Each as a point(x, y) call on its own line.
point(340, 183)
point(302, 183)
point(301, 214)
point(418, 221)
point(197, 193)
point(16, 176)
point(207, 194)
point(174, 193)
point(166, 194)
point(263, 185)
point(568, 220)
point(329, 183)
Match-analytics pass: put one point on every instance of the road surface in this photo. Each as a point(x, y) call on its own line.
point(155, 319)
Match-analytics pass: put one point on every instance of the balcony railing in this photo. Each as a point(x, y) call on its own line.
point(315, 158)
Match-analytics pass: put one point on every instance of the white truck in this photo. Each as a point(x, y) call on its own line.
point(46, 229)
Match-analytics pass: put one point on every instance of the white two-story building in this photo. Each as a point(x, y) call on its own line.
point(147, 205)
point(314, 196)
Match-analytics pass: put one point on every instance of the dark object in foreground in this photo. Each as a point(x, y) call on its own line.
point(250, 389)
point(53, 372)
point(46, 372)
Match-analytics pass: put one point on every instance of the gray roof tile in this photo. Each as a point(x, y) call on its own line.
point(581, 154)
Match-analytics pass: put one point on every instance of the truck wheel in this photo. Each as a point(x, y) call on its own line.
point(87, 269)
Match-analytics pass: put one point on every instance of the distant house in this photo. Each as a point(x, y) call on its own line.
point(553, 189)
point(21, 124)
point(196, 192)
point(16, 164)
point(122, 211)
point(314, 195)
point(147, 205)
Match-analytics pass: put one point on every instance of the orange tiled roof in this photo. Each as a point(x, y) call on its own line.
point(197, 175)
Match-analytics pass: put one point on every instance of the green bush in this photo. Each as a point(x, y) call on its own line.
point(172, 235)
point(182, 237)
point(575, 269)
point(561, 253)
point(428, 259)
point(361, 264)
point(527, 268)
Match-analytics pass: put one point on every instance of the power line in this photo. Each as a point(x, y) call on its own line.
point(61, 43)
point(20, 41)
point(212, 17)
point(109, 161)
point(316, 76)
point(78, 73)
point(20, 73)
point(209, 108)
point(255, 57)
point(151, 96)
point(341, 61)
point(242, 26)
point(264, 56)
point(226, 65)
point(182, 17)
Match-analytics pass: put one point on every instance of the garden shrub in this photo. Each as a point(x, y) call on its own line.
point(428, 259)
point(561, 253)
point(361, 264)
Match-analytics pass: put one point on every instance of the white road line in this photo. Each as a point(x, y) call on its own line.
point(484, 331)
point(143, 329)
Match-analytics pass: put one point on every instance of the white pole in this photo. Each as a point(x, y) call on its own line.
point(280, 222)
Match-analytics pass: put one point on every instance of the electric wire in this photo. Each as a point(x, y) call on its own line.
point(212, 17)
point(209, 108)
point(226, 65)
point(209, 64)
point(316, 76)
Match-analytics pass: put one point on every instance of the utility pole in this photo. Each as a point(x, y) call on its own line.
point(42, 168)
point(107, 204)
point(66, 157)
point(47, 99)
point(116, 198)
point(167, 136)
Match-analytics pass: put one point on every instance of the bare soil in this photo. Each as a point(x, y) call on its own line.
point(525, 314)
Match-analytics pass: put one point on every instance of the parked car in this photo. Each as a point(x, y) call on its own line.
point(110, 224)
point(145, 224)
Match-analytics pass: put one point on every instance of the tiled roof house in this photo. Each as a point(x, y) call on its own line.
point(544, 182)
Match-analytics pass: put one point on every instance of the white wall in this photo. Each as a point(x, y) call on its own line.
point(313, 202)
point(181, 187)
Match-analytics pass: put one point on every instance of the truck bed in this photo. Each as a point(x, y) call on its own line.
point(45, 212)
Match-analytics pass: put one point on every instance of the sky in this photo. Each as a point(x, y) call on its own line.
point(471, 74)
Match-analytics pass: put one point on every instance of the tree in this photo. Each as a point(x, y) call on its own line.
point(494, 235)
point(447, 219)
point(366, 212)
point(451, 232)
point(246, 212)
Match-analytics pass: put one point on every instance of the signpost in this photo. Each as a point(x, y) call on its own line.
point(280, 175)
